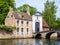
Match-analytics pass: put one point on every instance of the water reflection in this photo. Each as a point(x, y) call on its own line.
point(37, 42)
point(29, 42)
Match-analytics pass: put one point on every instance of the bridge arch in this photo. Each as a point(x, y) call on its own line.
point(38, 36)
point(49, 34)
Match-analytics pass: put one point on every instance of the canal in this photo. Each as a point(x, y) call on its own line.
point(30, 42)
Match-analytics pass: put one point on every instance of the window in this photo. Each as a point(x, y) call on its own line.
point(27, 22)
point(11, 15)
point(22, 16)
point(27, 30)
point(17, 22)
point(21, 22)
point(17, 30)
point(21, 29)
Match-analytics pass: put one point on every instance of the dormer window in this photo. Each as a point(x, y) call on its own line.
point(11, 15)
point(7, 16)
point(22, 16)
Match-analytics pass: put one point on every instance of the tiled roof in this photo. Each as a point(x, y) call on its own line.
point(18, 15)
point(45, 24)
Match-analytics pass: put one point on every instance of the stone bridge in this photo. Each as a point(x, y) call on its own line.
point(46, 34)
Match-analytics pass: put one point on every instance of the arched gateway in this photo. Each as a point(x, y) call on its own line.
point(37, 23)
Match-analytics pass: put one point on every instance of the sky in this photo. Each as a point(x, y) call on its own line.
point(39, 4)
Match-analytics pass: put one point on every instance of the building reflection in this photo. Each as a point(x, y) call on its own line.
point(37, 42)
point(29, 42)
point(23, 42)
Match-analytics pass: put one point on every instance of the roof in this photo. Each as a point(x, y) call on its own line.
point(45, 24)
point(38, 14)
point(19, 15)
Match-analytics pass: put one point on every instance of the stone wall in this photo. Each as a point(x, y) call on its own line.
point(5, 34)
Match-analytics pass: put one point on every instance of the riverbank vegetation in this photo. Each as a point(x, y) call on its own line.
point(7, 28)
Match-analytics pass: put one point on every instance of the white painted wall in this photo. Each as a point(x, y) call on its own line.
point(34, 19)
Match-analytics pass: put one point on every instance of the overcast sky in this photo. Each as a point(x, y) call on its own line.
point(39, 4)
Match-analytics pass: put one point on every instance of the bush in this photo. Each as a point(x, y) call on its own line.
point(7, 28)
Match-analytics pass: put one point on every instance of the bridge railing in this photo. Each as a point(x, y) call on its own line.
point(54, 30)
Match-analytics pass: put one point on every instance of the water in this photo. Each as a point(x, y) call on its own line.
point(29, 42)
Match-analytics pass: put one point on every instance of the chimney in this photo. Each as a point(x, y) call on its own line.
point(10, 11)
point(28, 10)
point(10, 8)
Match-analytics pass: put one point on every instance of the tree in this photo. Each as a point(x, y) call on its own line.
point(58, 21)
point(24, 9)
point(49, 13)
point(4, 9)
point(11, 3)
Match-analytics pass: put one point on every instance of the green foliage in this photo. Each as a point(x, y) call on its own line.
point(32, 10)
point(7, 28)
point(4, 9)
point(49, 13)
point(55, 25)
point(24, 9)
point(11, 3)
point(58, 21)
